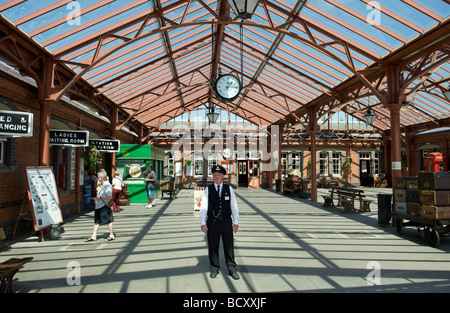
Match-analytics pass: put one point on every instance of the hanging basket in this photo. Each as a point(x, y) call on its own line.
point(92, 157)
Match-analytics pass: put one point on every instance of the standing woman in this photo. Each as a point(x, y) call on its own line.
point(117, 184)
point(102, 214)
point(150, 179)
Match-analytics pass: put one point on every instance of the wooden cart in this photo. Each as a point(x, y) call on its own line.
point(431, 229)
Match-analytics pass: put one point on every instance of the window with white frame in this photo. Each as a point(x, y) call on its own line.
point(376, 164)
point(198, 166)
point(365, 155)
point(283, 163)
point(212, 161)
point(189, 166)
point(171, 167)
point(296, 161)
point(336, 163)
point(323, 163)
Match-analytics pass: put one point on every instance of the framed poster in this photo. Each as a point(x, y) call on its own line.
point(43, 197)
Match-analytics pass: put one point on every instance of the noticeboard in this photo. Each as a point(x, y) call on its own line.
point(43, 197)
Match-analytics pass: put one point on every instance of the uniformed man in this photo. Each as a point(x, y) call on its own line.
point(217, 208)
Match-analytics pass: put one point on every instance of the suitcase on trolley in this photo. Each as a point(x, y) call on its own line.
point(434, 181)
point(413, 208)
point(435, 212)
point(413, 196)
point(400, 195)
point(432, 197)
point(407, 182)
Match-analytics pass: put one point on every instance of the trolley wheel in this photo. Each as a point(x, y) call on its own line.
point(400, 226)
point(432, 237)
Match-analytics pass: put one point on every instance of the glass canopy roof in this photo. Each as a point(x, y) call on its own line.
point(156, 59)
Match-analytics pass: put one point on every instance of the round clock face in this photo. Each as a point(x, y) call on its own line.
point(227, 87)
point(227, 153)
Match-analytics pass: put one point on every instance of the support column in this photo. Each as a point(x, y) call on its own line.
point(114, 115)
point(45, 102)
point(396, 144)
point(408, 152)
point(312, 138)
point(44, 132)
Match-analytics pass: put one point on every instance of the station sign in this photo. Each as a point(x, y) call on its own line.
point(71, 138)
point(105, 145)
point(13, 123)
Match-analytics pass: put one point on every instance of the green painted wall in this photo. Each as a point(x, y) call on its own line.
point(132, 161)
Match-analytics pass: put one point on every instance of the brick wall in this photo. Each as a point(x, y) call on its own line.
point(24, 151)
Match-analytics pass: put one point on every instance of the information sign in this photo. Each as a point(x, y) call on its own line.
point(13, 123)
point(43, 197)
point(71, 138)
point(105, 145)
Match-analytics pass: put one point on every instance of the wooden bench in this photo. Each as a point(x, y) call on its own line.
point(291, 186)
point(346, 198)
point(7, 271)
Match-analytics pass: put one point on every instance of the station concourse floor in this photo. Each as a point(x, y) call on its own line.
point(284, 244)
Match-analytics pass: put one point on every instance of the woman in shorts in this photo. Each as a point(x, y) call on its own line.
point(102, 214)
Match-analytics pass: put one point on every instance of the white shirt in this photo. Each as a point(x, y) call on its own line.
point(104, 191)
point(233, 204)
point(117, 183)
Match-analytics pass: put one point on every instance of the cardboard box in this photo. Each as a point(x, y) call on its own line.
point(435, 212)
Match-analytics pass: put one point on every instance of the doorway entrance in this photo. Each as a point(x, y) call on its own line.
point(242, 173)
point(365, 173)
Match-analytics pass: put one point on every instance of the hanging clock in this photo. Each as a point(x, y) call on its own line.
point(227, 87)
point(227, 153)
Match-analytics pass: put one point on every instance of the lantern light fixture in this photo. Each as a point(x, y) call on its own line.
point(243, 9)
point(212, 116)
point(369, 117)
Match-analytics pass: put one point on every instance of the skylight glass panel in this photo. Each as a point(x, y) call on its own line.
point(343, 32)
point(26, 8)
point(86, 19)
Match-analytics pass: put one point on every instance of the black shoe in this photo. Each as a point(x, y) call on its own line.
point(235, 275)
point(213, 274)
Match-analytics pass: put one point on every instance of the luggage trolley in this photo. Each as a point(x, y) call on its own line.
point(430, 229)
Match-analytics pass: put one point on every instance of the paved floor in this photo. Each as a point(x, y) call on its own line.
point(284, 244)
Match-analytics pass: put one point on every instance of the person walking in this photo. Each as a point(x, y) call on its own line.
point(102, 214)
point(150, 179)
point(117, 184)
point(219, 218)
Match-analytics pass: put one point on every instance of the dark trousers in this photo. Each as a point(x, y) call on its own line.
point(224, 229)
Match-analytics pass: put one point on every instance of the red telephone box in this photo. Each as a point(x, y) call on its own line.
point(436, 162)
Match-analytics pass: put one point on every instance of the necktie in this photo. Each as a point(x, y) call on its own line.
point(218, 190)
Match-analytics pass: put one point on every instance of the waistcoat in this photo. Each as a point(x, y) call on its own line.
point(218, 207)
